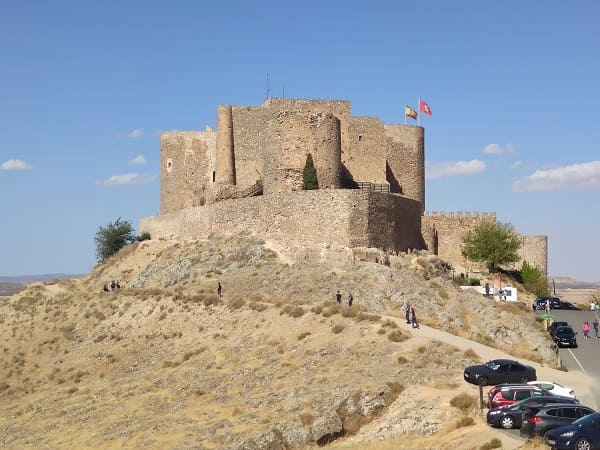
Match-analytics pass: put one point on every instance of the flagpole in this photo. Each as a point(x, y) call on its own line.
point(419, 112)
point(405, 123)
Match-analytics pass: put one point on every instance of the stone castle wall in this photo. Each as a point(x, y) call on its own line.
point(444, 232)
point(349, 218)
point(186, 159)
point(534, 250)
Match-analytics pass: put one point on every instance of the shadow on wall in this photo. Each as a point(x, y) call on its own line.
point(395, 186)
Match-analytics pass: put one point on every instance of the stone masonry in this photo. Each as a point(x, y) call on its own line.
point(247, 176)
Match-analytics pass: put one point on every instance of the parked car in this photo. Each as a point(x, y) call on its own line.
point(499, 371)
point(510, 416)
point(583, 434)
point(540, 302)
point(554, 388)
point(505, 395)
point(537, 420)
point(554, 325)
point(565, 337)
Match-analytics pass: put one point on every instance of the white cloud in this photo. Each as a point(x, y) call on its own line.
point(15, 164)
point(138, 161)
point(495, 149)
point(453, 168)
point(585, 176)
point(127, 179)
point(136, 133)
point(517, 165)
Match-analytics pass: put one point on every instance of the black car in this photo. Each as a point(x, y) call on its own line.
point(510, 416)
point(565, 337)
point(540, 302)
point(554, 325)
point(498, 371)
point(583, 434)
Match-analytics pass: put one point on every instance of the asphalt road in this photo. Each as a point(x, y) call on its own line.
point(586, 357)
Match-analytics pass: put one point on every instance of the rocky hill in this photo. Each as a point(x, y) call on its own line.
point(163, 362)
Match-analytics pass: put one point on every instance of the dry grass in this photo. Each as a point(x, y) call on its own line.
point(464, 402)
point(398, 336)
point(494, 443)
point(464, 421)
point(293, 311)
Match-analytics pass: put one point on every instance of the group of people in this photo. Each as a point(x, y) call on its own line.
point(338, 298)
point(114, 285)
point(586, 328)
point(411, 317)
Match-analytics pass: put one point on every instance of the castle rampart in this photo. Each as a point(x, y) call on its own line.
point(344, 217)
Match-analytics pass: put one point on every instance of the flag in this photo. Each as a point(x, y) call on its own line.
point(424, 108)
point(409, 112)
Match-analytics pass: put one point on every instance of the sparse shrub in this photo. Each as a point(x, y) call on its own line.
point(303, 335)
point(317, 309)
point(145, 236)
point(259, 307)
point(236, 303)
point(330, 311)
point(423, 262)
point(464, 402)
point(306, 419)
point(366, 316)
point(381, 331)
point(470, 354)
point(112, 238)
point(402, 360)
point(395, 387)
point(188, 355)
point(397, 336)
point(349, 312)
point(337, 328)
point(163, 315)
point(293, 311)
point(494, 443)
point(210, 300)
point(464, 421)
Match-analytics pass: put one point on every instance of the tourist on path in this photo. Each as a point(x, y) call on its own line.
point(407, 312)
point(219, 289)
point(350, 299)
point(586, 329)
point(413, 318)
point(595, 325)
point(338, 297)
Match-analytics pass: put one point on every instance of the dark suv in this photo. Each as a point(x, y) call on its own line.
point(565, 337)
point(584, 433)
point(538, 420)
point(510, 416)
point(554, 325)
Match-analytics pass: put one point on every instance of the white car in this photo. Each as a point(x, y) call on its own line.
point(554, 388)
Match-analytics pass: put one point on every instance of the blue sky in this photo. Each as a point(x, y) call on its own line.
point(87, 87)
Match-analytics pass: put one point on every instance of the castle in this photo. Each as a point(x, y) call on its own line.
point(247, 177)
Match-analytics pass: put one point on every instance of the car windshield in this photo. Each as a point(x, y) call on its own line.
point(492, 365)
point(564, 331)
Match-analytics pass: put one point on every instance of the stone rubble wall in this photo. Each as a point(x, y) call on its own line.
point(350, 218)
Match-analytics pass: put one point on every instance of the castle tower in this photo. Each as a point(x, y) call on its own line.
point(290, 137)
point(225, 163)
point(405, 159)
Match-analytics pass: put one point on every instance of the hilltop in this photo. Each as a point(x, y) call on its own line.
point(275, 363)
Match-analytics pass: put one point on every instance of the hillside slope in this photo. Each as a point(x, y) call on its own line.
point(162, 362)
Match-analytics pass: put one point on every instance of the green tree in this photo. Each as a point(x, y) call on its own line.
point(534, 280)
point(112, 238)
point(309, 175)
point(493, 243)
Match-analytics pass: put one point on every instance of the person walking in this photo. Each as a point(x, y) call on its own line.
point(350, 299)
point(407, 312)
point(219, 289)
point(586, 329)
point(547, 306)
point(338, 297)
point(595, 325)
point(413, 318)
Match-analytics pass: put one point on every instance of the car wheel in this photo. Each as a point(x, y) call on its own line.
point(507, 422)
point(583, 444)
point(483, 381)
